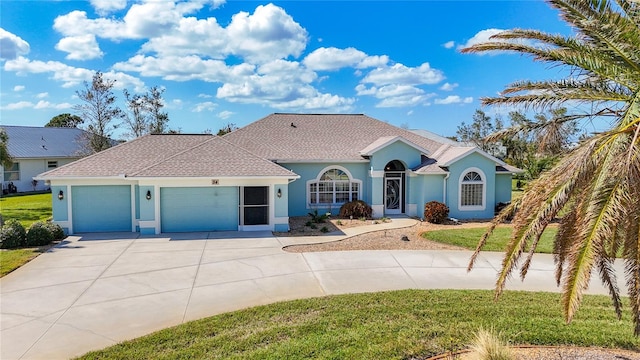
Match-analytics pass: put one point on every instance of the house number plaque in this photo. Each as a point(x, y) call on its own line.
point(215, 182)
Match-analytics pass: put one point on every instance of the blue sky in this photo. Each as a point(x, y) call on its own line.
point(238, 61)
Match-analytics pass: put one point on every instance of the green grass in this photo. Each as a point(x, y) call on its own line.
point(26, 208)
point(13, 259)
point(389, 325)
point(469, 237)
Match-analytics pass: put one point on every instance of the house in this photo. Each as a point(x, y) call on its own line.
point(35, 150)
point(283, 165)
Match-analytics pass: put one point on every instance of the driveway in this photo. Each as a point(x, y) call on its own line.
point(96, 290)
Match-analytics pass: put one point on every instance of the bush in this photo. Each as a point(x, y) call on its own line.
point(39, 234)
point(357, 209)
point(12, 234)
point(435, 212)
point(56, 230)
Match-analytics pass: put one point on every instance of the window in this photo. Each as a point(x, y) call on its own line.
point(334, 186)
point(254, 205)
point(52, 164)
point(472, 190)
point(12, 173)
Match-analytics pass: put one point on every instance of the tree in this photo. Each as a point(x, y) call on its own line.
point(229, 127)
point(154, 104)
point(99, 111)
point(595, 184)
point(65, 120)
point(5, 157)
point(136, 117)
point(476, 132)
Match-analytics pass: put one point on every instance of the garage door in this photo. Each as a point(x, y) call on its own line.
point(199, 209)
point(101, 208)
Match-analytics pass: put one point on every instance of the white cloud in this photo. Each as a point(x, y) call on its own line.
point(205, 96)
point(18, 105)
point(448, 87)
point(82, 47)
point(400, 74)
point(18, 88)
point(453, 99)
point(42, 95)
point(47, 105)
point(12, 46)
point(481, 37)
point(270, 33)
point(104, 7)
point(449, 44)
point(70, 76)
point(333, 59)
point(225, 114)
point(205, 106)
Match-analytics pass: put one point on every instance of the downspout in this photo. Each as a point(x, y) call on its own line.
point(444, 189)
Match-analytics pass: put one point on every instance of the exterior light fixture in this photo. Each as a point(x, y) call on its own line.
point(60, 195)
point(279, 193)
point(148, 194)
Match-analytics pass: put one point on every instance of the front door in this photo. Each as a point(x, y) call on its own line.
point(393, 194)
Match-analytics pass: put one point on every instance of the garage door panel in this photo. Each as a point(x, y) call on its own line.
point(101, 208)
point(199, 209)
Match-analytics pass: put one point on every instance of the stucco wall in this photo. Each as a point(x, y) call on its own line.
point(503, 188)
point(297, 192)
point(30, 168)
point(488, 167)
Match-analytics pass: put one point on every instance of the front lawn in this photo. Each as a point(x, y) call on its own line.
point(26, 208)
point(14, 258)
point(408, 324)
point(469, 237)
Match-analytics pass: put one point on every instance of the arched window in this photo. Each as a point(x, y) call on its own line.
point(472, 190)
point(333, 186)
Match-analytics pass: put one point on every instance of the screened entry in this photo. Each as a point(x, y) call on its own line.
point(254, 205)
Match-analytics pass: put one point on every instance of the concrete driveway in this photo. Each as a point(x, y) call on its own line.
point(100, 289)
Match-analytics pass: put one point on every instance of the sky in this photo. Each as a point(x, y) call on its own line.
point(234, 62)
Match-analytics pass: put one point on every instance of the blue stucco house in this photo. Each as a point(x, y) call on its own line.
point(283, 165)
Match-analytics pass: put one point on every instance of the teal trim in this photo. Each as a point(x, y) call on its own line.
point(147, 231)
point(146, 208)
point(503, 188)
point(60, 208)
point(199, 209)
point(281, 227)
point(281, 204)
point(488, 167)
point(297, 194)
point(398, 150)
point(101, 208)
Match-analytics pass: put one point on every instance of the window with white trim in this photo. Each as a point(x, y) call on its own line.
point(12, 173)
point(333, 187)
point(472, 190)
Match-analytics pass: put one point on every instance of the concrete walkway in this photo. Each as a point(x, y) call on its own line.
point(100, 289)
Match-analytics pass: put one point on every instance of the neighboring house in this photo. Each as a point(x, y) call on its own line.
point(283, 165)
point(35, 150)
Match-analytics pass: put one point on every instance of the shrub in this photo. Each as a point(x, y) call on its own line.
point(487, 345)
point(324, 230)
point(317, 218)
point(12, 234)
point(435, 212)
point(39, 234)
point(356, 209)
point(56, 230)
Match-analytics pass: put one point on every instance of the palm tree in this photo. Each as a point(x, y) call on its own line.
point(596, 184)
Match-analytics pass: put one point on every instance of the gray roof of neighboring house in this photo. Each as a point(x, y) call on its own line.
point(44, 142)
point(319, 137)
point(174, 155)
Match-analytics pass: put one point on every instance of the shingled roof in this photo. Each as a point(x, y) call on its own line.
point(319, 137)
point(174, 155)
point(29, 142)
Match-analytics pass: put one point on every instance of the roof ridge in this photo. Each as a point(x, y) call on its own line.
point(155, 163)
point(254, 154)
